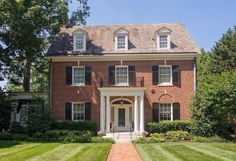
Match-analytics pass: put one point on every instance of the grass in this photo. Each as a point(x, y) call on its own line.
point(21, 151)
point(187, 151)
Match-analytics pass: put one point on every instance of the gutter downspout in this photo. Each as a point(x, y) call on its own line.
point(195, 74)
point(50, 83)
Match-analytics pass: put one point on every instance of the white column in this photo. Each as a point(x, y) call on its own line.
point(135, 114)
point(108, 113)
point(141, 114)
point(102, 114)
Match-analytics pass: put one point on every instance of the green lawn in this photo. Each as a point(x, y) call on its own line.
point(187, 152)
point(20, 151)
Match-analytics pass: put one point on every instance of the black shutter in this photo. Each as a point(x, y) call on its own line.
point(176, 111)
point(155, 112)
point(87, 111)
point(155, 74)
point(111, 75)
point(175, 74)
point(132, 75)
point(69, 75)
point(68, 111)
point(88, 73)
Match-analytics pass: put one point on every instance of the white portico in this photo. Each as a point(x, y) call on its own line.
point(124, 112)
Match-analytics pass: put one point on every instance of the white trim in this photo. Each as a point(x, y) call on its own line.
point(72, 112)
point(77, 84)
point(116, 42)
point(84, 41)
point(168, 41)
point(171, 76)
point(122, 91)
point(125, 83)
point(171, 115)
point(126, 99)
point(127, 57)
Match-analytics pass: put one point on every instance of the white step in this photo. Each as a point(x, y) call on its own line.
point(122, 136)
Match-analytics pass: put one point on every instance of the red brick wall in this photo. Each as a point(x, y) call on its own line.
point(62, 93)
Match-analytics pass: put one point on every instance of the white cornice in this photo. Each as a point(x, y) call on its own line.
point(127, 57)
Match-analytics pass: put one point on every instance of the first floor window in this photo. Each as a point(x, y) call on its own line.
point(78, 111)
point(79, 75)
point(165, 111)
point(121, 75)
point(165, 75)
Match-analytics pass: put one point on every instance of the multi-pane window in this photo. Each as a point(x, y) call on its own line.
point(163, 40)
point(165, 111)
point(165, 75)
point(78, 75)
point(121, 42)
point(121, 75)
point(79, 42)
point(78, 111)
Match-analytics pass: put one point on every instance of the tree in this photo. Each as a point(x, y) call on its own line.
point(26, 29)
point(223, 57)
point(214, 106)
point(5, 111)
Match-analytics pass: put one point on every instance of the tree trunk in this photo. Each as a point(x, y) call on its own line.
point(26, 79)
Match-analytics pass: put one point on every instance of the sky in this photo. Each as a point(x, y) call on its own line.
point(205, 20)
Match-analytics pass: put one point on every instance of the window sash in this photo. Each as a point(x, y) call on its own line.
point(121, 42)
point(163, 41)
point(121, 75)
point(78, 111)
point(165, 74)
point(166, 112)
point(78, 75)
point(79, 42)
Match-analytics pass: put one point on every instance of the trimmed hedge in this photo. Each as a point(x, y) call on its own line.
point(74, 125)
point(164, 126)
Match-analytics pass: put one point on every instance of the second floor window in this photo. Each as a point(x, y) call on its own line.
point(121, 73)
point(163, 40)
point(78, 111)
point(165, 111)
point(79, 42)
point(121, 44)
point(165, 75)
point(79, 75)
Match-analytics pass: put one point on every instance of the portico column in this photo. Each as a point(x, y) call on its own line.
point(102, 114)
point(141, 114)
point(108, 113)
point(135, 114)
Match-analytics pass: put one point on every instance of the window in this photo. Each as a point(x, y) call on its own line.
point(121, 42)
point(165, 75)
point(165, 111)
point(121, 75)
point(163, 41)
point(78, 75)
point(79, 42)
point(78, 111)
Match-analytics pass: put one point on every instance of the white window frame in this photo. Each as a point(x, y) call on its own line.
point(84, 41)
point(171, 115)
point(168, 42)
point(171, 76)
point(77, 84)
point(126, 42)
point(125, 83)
point(72, 113)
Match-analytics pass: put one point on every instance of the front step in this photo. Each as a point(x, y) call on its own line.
point(122, 137)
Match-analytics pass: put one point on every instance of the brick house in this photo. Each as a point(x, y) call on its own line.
point(122, 76)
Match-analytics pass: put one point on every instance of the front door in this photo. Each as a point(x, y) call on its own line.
point(121, 117)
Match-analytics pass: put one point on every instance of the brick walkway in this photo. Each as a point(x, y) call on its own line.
point(123, 152)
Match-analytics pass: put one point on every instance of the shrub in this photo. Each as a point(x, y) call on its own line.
point(74, 125)
point(151, 139)
point(102, 140)
point(19, 137)
point(208, 139)
point(164, 126)
point(5, 136)
point(177, 135)
point(16, 128)
point(39, 116)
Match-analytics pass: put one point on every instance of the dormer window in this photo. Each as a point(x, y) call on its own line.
point(163, 38)
point(121, 39)
point(79, 37)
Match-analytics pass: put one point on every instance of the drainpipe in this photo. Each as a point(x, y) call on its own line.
point(195, 74)
point(50, 83)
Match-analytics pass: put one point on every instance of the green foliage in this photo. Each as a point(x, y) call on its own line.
point(164, 126)
point(208, 139)
point(177, 136)
point(5, 111)
point(39, 116)
point(26, 30)
point(16, 128)
point(214, 105)
point(74, 125)
point(98, 139)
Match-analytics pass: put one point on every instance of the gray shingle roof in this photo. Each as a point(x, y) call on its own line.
point(141, 39)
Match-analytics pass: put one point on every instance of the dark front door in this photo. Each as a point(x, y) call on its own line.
point(121, 117)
